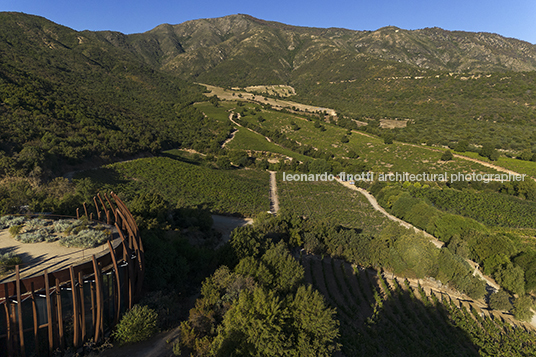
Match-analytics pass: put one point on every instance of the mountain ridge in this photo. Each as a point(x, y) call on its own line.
point(428, 48)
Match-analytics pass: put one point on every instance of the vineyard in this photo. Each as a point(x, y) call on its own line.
point(390, 317)
point(380, 157)
point(330, 202)
point(248, 140)
point(241, 192)
point(490, 208)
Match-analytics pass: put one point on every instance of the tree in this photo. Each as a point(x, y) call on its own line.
point(488, 150)
point(526, 155)
point(462, 146)
point(522, 308)
point(500, 301)
point(512, 278)
point(447, 156)
point(136, 325)
point(224, 163)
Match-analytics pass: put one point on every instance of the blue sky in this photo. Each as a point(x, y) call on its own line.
point(511, 18)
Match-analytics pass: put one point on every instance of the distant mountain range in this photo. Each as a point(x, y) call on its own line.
point(247, 50)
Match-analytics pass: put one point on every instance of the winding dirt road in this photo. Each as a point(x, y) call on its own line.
point(432, 239)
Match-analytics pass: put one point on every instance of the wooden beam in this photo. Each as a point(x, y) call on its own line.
point(99, 300)
point(97, 208)
point(19, 311)
point(76, 321)
point(35, 322)
point(118, 284)
point(49, 314)
point(82, 306)
point(60, 315)
point(111, 207)
point(9, 325)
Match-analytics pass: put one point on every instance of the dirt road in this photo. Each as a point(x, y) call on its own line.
point(274, 198)
point(432, 239)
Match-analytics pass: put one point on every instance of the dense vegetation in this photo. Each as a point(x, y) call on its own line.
point(189, 183)
point(507, 256)
point(66, 97)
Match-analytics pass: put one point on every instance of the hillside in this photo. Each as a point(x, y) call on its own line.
point(66, 97)
point(441, 80)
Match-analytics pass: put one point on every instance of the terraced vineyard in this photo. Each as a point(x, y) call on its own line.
point(391, 317)
point(330, 202)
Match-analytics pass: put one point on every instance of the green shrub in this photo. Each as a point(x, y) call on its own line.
point(138, 324)
point(87, 238)
point(38, 236)
point(14, 230)
point(8, 262)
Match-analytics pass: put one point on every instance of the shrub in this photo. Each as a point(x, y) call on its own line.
point(15, 230)
point(87, 238)
point(8, 262)
point(138, 324)
point(9, 221)
point(33, 237)
point(447, 156)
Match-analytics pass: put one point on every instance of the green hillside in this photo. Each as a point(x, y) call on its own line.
point(66, 97)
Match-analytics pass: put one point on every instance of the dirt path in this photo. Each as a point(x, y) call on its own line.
point(432, 239)
point(274, 197)
point(233, 133)
point(225, 94)
point(225, 224)
point(380, 209)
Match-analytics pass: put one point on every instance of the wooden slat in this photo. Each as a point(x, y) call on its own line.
point(49, 314)
point(9, 325)
point(35, 322)
point(60, 315)
point(99, 298)
point(19, 311)
point(76, 322)
point(82, 306)
point(111, 207)
point(97, 208)
point(130, 275)
point(117, 300)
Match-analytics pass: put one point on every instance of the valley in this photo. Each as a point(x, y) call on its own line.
point(198, 126)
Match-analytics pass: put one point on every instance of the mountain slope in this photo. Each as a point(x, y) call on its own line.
point(389, 73)
point(230, 38)
point(67, 96)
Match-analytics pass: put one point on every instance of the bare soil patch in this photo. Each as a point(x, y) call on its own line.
point(227, 94)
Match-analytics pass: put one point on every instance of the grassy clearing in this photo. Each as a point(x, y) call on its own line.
point(519, 166)
point(220, 113)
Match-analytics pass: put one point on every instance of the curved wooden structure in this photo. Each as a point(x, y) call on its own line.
point(78, 304)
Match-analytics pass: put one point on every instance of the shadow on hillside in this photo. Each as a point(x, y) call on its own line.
point(102, 176)
point(179, 157)
point(400, 325)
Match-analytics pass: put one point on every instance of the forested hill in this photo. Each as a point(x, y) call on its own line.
point(66, 97)
point(425, 75)
point(196, 46)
